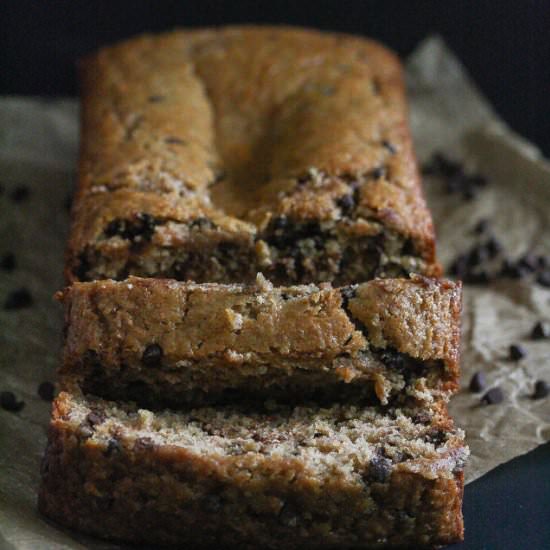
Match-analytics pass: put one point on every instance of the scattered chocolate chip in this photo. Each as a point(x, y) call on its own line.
point(202, 223)
point(142, 226)
point(469, 192)
point(542, 262)
point(541, 330)
point(347, 293)
point(346, 204)
point(18, 299)
point(46, 391)
point(390, 147)
point(478, 382)
point(493, 396)
point(511, 270)
point(528, 262)
point(460, 266)
point(379, 469)
point(20, 193)
point(156, 98)
point(476, 278)
point(7, 261)
point(172, 140)
point(517, 352)
point(493, 247)
point(94, 418)
point(113, 446)
point(436, 437)
point(543, 278)
point(482, 226)
point(68, 203)
point(542, 389)
point(9, 402)
point(152, 356)
point(444, 165)
point(478, 255)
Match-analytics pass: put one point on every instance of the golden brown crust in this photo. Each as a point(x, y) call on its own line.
point(124, 486)
point(248, 125)
point(386, 335)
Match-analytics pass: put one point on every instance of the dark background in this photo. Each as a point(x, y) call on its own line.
point(505, 46)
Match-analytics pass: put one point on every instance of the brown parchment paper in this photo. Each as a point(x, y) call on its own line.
point(38, 147)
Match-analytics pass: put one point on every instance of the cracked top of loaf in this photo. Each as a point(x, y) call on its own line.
point(244, 130)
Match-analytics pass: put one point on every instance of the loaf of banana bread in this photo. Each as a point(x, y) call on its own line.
point(278, 477)
point(166, 343)
point(212, 155)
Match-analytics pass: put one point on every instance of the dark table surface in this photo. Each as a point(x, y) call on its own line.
point(505, 45)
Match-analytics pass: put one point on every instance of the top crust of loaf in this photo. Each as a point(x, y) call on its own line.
point(223, 123)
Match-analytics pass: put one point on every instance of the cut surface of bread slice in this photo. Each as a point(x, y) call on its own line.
point(276, 477)
point(162, 342)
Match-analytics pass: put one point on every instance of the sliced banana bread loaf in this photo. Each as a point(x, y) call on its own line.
point(162, 342)
point(211, 155)
point(281, 477)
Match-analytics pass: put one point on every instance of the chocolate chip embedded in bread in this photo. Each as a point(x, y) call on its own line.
point(152, 356)
point(379, 469)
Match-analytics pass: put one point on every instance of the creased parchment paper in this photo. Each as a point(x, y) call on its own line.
point(38, 146)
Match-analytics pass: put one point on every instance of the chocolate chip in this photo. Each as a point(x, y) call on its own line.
point(280, 222)
point(85, 430)
point(423, 417)
point(156, 98)
point(202, 223)
point(142, 226)
point(347, 293)
point(444, 166)
point(7, 261)
point(9, 402)
point(544, 279)
point(469, 192)
point(18, 299)
point(379, 469)
point(378, 172)
point(346, 204)
point(94, 418)
point(542, 262)
point(478, 382)
point(46, 391)
point(20, 193)
point(436, 437)
point(390, 147)
point(528, 262)
point(493, 396)
point(482, 226)
point(460, 266)
point(480, 277)
point(493, 247)
point(478, 255)
point(517, 352)
point(541, 330)
point(152, 356)
point(542, 389)
point(172, 140)
point(68, 203)
point(478, 180)
point(90, 358)
point(511, 270)
point(113, 446)
point(143, 443)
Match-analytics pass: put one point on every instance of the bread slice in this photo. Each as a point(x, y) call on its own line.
point(272, 477)
point(162, 342)
point(210, 155)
